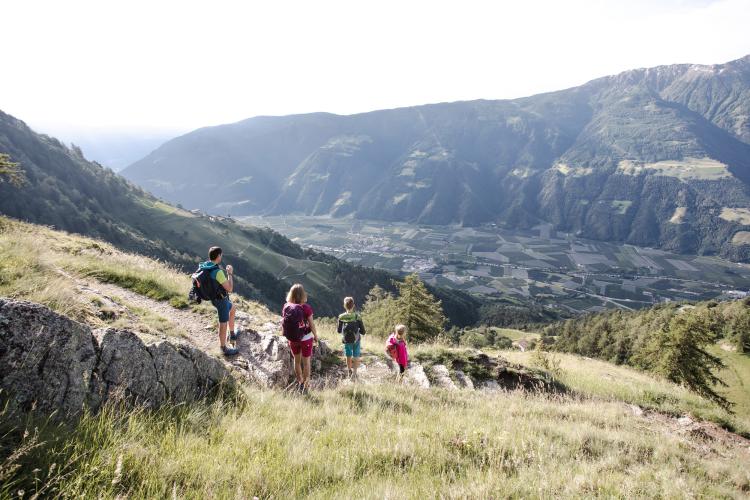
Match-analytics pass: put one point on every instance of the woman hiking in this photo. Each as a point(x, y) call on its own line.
point(299, 328)
point(395, 346)
point(351, 328)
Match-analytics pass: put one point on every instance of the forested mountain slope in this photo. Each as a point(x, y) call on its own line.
point(64, 190)
point(654, 157)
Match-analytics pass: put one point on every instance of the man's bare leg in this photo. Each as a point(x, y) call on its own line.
point(222, 334)
point(231, 318)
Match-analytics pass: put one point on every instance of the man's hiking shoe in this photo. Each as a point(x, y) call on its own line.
point(229, 351)
point(233, 336)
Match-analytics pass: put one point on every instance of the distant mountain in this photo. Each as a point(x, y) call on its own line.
point(66, 191)
point(653, 157)
point(115, 148)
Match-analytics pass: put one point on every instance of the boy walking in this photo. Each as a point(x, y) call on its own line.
point(351, 328)
point(221, 285)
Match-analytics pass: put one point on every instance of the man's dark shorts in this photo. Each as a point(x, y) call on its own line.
point(223, 306)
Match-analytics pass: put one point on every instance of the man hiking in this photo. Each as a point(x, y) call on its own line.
point(351, 328)
point(220, 284)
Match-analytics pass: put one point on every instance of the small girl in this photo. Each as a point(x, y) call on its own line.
point(396, 347)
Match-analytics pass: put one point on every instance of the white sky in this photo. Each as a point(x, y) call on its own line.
point(183, 64)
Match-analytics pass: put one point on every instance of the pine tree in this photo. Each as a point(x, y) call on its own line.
point(418, 309)
point(10, 171)
point(379, 311)
point(741, 329)
point(678, 353)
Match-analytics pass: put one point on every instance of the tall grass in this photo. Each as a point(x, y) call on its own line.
point(608, 382)
point(380, 442)
point(36, 262)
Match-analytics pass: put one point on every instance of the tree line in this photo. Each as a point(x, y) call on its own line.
point(670, 340)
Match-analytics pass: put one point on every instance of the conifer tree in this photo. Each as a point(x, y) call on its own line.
point(678, 353)
point(10, 170)
point(418, 309)
point(379, 311)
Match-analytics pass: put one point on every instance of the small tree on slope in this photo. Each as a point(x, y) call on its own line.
point(10, 171)
point(678, 353)
point(418, 309)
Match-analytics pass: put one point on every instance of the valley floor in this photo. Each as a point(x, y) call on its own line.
point(551, 268)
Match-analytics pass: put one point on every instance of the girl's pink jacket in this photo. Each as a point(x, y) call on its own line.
point(402, 356)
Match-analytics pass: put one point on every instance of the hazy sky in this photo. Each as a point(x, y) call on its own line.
point(181, 64)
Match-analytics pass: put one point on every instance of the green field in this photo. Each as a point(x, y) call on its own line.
point(539, 265)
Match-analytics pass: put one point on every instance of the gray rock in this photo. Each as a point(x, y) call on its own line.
point(45, 359)
point(176, 372)
point(416, 376)
point(489, 385)
point(266, 359)
point(441, 377)
point(52, 363)
point(463, 380)
point(126, 370)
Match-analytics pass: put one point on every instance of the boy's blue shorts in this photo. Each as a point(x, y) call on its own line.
point(353, 350)
point(223, 306)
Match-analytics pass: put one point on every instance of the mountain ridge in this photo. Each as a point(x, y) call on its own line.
point(513, 162)
point(66, 191)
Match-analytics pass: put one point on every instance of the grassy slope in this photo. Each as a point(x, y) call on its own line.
point(620, 383)
point(358, 441)
point(391, 442)
point(737, 376)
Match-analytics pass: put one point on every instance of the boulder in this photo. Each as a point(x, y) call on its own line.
point(441, 377)
point(463, 381)
point(416, 376)
point(489, 385)
point(126, 370)
point(52, 363)
point(46, 360)
point(265, 358)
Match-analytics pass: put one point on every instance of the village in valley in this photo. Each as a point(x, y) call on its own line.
point(548, 267)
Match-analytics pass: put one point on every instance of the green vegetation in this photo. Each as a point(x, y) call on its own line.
point(736, 374)
point(356, 441)
point(671, 340)
point(679, 353)
point(607, 382)
point(368, 442)
point(50, 267)
point(10, 171)
point(413, 306)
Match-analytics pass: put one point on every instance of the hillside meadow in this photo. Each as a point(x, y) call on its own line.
point(356, 440)
point(374, 442)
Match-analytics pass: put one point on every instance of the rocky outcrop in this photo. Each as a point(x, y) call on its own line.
point(416, 376)
point(473, 369)
point(463, 381)
point(52, 363)
point(265, 358)
point(440, 377)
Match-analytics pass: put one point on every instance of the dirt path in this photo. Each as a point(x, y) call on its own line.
point(189, 326)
